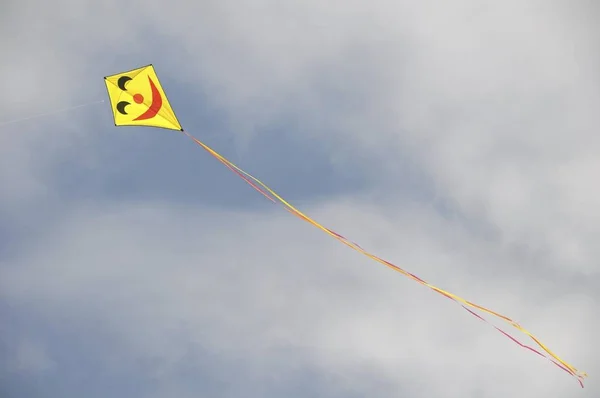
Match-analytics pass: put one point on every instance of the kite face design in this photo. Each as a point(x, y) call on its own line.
point(137, 98)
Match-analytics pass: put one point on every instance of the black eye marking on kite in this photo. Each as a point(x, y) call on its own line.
point(121, 107)
point(122, 81)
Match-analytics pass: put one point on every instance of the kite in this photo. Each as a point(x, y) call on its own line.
point(138, 99)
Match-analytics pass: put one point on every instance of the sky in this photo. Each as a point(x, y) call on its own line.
point(458, 141)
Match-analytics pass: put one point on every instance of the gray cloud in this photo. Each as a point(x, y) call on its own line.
point(470, 133)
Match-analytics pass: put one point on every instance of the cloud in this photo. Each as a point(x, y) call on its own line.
point(468, 133)
point(161, 281)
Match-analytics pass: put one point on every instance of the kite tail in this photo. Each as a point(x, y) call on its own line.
point(274, 197)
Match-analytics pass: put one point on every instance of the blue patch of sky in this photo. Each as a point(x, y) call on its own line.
point(160, 164)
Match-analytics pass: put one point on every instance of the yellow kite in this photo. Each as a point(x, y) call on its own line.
point(138, 99)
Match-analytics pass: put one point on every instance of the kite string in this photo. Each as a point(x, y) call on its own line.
point(464, 303)
point(49, 113)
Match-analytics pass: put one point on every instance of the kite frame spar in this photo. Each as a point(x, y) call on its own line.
point(163, 116)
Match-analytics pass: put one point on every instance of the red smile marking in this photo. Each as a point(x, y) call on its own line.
point(154, 106)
